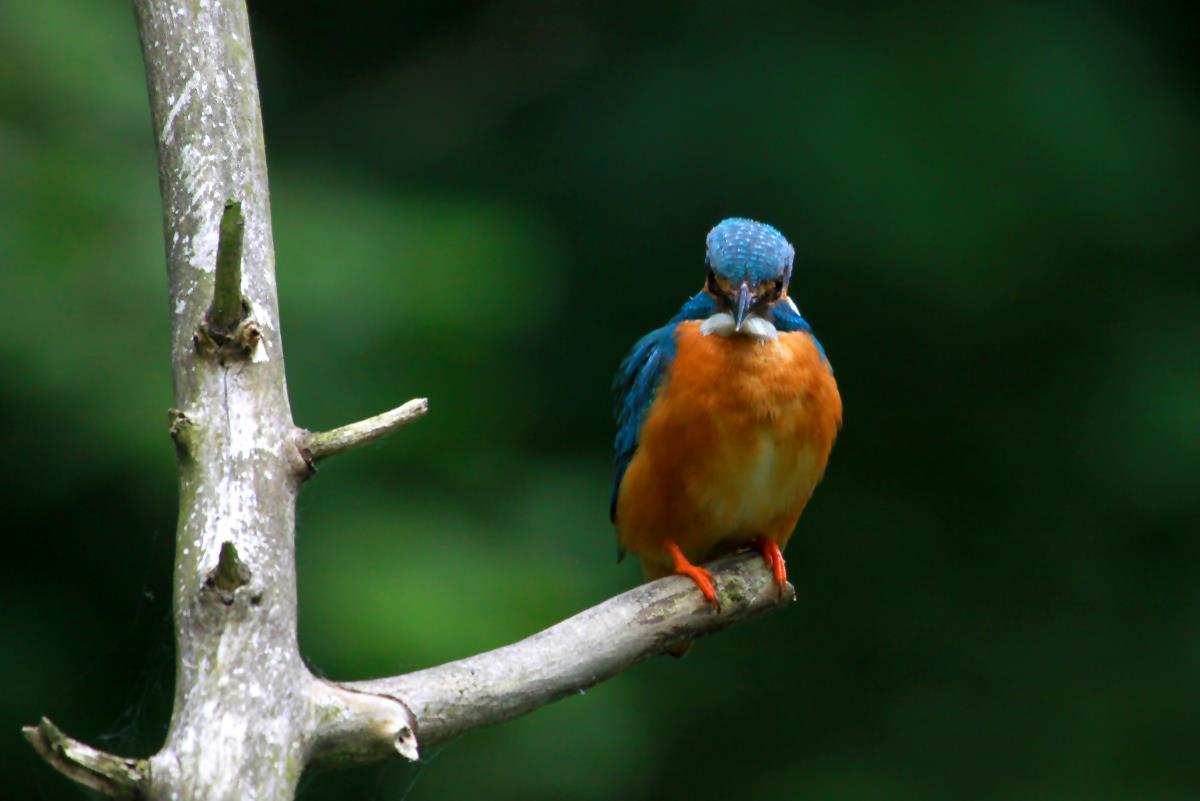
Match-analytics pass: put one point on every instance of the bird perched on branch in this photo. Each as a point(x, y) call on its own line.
point(725, 416)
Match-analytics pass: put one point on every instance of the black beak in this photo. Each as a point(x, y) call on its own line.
point(741, 305)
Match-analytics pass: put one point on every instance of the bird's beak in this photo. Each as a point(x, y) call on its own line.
point(741, 305)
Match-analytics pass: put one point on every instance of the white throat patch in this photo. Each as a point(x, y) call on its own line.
point(754, 326)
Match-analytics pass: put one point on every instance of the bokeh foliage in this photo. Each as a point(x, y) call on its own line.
point(995, 213)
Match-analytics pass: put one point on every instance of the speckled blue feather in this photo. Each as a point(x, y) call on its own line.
point(745, 250)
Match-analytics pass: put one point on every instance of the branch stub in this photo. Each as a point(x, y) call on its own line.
point(115, 776)
point(229, 574)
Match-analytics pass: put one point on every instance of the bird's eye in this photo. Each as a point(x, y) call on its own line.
point(778, 288)
point(712, 283)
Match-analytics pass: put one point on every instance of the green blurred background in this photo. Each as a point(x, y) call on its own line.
point(995, 217)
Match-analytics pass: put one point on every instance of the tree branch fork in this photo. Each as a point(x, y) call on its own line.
point(365, 721)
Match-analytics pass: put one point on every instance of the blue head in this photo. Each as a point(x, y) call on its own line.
point(749, 266)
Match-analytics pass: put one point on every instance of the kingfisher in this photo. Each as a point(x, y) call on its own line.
point(725, 417)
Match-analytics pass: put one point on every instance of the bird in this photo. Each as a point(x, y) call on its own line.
point(726, 417)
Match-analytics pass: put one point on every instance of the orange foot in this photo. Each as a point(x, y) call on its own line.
point(702, 577)
point(774, 559)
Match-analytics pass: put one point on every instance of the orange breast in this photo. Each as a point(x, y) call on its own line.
point(737, 438)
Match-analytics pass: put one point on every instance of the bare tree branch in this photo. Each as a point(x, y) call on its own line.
point(242, 704)
point(320, 445)
point(112, 775)
point(581, 651)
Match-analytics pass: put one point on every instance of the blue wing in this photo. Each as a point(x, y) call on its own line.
point(638, 379)
point(635, 384)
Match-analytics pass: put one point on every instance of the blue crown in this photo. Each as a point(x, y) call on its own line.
point(745, 250)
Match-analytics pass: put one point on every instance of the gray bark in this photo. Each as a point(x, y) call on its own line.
point(248, 716)
point(579, 652)
point(246, 708)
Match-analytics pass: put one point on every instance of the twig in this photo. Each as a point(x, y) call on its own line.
point(320, 445)
point(112, 775)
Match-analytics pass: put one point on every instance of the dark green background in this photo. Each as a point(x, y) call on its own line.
point(995, 217)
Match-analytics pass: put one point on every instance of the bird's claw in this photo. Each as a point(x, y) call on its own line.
point(705, 582)
point(702, 578)
point(774, 559)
